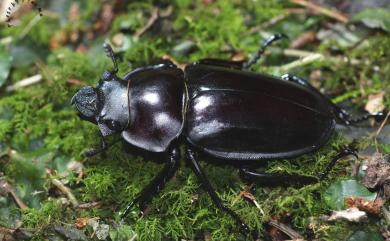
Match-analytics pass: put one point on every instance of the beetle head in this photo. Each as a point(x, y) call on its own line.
point(106, 105)
point(85, 101)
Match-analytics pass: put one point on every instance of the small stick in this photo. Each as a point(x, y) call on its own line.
point(4, 185)
point(276, 19)
point(300, 62)
point(174, 61)
point(89, 205)
point(24, 83)
point(379, 130)
point(286, 230)
point(303, 53)
point(153, 18)
point(57, 183)
point(29, 26)
point(317, 8)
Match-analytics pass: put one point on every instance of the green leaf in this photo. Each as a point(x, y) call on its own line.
point(365, 236)
point(337, 192)
point(5, 65)
point(374, 18)
point(123, 232)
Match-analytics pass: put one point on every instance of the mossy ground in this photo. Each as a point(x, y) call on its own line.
point(41, 126)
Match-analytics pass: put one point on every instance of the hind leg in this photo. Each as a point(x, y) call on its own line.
point(244, 64)
point(267, 179)
point(192, 158)
point(341, 114)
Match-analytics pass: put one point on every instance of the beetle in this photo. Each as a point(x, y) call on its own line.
point(218, 109)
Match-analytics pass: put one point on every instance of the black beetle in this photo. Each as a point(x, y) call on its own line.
point(220, 110)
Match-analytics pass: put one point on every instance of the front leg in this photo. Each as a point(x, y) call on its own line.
point(146, 195)
point(192, 157)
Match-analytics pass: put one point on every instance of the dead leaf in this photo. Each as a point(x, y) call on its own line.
point(350, 214)
point(247, 195)
point(372, 207)
point(303, 39)
point(375, 102)
point(81, 222)
point(377, 173)
point(117, 40)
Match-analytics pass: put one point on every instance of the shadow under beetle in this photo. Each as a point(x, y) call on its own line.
point(220, 110)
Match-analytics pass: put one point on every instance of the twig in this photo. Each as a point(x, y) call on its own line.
point(153, 18)
point(286, 230)
point(317, 8)
point(379, 131)
point(57, 183)
point(133, 238)
point(5, 187)
point(174, 61)
point(89, 205)
point(29, 26)
point(300, 62)
point(303, 39)
point(276, 19)
point(302, 53)
point(18, 201)
point(24, 83)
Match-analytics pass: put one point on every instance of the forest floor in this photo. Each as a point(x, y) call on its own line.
point(49, 190)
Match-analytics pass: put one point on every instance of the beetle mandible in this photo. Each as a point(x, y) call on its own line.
point(220, 110)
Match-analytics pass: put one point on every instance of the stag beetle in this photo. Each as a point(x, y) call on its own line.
point(220, 110)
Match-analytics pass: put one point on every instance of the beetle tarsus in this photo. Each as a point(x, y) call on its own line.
point(192, 157)
point(262, 49)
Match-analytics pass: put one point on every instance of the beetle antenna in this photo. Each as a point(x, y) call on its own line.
point(110, 53)
point(262, 49)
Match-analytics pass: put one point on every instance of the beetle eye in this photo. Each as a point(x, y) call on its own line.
point(113, 125)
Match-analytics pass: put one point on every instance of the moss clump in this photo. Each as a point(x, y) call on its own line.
point(39, 120)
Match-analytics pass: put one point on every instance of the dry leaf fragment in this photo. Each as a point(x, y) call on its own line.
point(375, 102)
point(350, 214)
point(377, 173)
point(303, 39)
point(81, 222)
point(90, 205)
point(372, 207)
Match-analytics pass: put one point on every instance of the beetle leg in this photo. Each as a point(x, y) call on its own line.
point(262, 49)
point(270, 179)
point(192, 157)
point(345, 152)
point(94, 151)
point(339, 112)
point(243, 64)
point(146, 195)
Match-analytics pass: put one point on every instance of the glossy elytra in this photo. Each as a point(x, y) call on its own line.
point(218, 109)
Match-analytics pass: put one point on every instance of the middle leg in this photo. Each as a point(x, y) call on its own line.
point(146, 195)
point(192, 157)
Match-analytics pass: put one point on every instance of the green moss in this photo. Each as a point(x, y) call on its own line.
point(39, 118)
